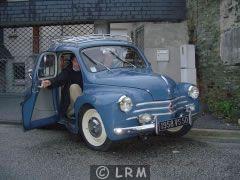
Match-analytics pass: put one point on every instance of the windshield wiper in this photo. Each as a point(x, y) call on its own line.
point(122, 59)
point(95, 62)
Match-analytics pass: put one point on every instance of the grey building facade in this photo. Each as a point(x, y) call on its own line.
point(28, 26)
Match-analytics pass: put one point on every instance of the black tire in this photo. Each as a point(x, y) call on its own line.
point(103, 147)
point(183, 131)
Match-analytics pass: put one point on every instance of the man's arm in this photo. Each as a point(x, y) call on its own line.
point(58, 81)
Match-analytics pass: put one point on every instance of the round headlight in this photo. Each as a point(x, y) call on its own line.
point(193, 92)
point(125, 103)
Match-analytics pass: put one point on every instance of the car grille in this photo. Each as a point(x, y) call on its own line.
point(160, 108)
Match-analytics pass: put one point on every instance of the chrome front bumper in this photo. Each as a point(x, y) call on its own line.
point(134, 129)
point(143, 128)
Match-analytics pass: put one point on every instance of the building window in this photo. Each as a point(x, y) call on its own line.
point(19, 71)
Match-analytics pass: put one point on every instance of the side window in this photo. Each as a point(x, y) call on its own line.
point(132, 57)
point(48, 66)
point(65, 60)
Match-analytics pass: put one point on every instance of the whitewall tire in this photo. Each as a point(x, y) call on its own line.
point(93, 130)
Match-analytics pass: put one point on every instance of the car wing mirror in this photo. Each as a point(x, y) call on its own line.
point(30, 73)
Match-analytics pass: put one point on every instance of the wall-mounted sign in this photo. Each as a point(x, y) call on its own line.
point(162, 55)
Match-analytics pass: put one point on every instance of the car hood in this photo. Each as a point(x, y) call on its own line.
point(159, 86)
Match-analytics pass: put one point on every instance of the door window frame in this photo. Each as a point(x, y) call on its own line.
point(55, 64)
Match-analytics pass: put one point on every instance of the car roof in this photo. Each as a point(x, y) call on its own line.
point(70, 43)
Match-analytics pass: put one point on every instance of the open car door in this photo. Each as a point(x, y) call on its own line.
point(40, 106)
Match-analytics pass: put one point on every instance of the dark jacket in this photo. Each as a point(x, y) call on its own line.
point(67, 77)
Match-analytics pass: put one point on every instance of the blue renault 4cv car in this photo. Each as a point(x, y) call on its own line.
point(122, 97)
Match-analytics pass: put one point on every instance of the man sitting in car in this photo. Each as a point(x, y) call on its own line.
point(70, 79)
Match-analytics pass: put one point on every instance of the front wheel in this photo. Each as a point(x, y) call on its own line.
point(177, 131)
point(93, 130)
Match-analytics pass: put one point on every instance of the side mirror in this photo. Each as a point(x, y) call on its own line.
point(30, 73)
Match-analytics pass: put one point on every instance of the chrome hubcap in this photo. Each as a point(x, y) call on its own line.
point(95, 127)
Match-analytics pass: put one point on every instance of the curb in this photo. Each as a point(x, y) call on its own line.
point(11, 122)
point(214, 133)
point(215, 130)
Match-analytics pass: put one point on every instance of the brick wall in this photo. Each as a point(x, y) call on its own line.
point(38, 12)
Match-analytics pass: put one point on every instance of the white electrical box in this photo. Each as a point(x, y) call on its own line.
point(163, 55)
point(187, 56)
point(189, 76)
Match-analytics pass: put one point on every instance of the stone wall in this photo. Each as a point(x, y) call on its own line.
point(214, 29)
point(230, 32)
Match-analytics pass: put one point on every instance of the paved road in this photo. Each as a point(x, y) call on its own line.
point(10, 109)
point(54, 153)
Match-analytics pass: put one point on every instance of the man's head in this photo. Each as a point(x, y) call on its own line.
point(75, 64)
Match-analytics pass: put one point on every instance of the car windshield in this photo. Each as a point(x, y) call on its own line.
point(111, 57)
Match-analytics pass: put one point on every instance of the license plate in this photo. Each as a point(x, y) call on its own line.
point(173, 123)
